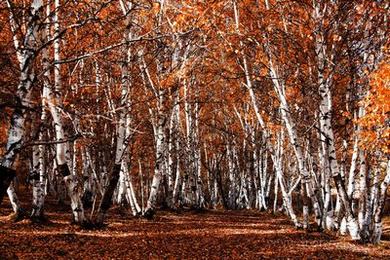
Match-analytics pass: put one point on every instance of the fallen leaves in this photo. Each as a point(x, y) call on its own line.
point(187, 235)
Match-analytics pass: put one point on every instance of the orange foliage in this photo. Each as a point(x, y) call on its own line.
point(375, 135)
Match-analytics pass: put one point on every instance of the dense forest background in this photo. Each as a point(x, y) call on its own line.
point(271, 105)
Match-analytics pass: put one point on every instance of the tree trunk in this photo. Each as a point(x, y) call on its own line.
point(6, 176)
point(378, 226)
point(158, 168)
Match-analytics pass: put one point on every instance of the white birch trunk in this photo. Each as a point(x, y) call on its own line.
point(176, 114)
point(39, 184)
point(123, 134)
point(25, 51)
point(158, 168)
point(326, 124)
point(292, 133)
point(54, 95)
point(377, 225)
point(278, 162)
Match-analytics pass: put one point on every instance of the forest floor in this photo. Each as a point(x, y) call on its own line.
point(185, 235)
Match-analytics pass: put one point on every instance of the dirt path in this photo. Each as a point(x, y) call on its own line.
point(187, 235)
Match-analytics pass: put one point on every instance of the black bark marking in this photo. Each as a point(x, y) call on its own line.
point(149, 214)
point(63, 170)
point(34, 176)
point(6, 176)
point(87, 199)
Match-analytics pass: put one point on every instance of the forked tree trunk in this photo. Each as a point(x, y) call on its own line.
point(54, 95)
point(130, 193)
point(278, 163)
point(292, 133)
point(121, 144)
point(325, 117)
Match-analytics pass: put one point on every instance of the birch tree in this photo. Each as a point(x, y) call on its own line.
point(26, 47)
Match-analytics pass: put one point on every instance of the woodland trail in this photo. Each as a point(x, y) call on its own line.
point(185, 235)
